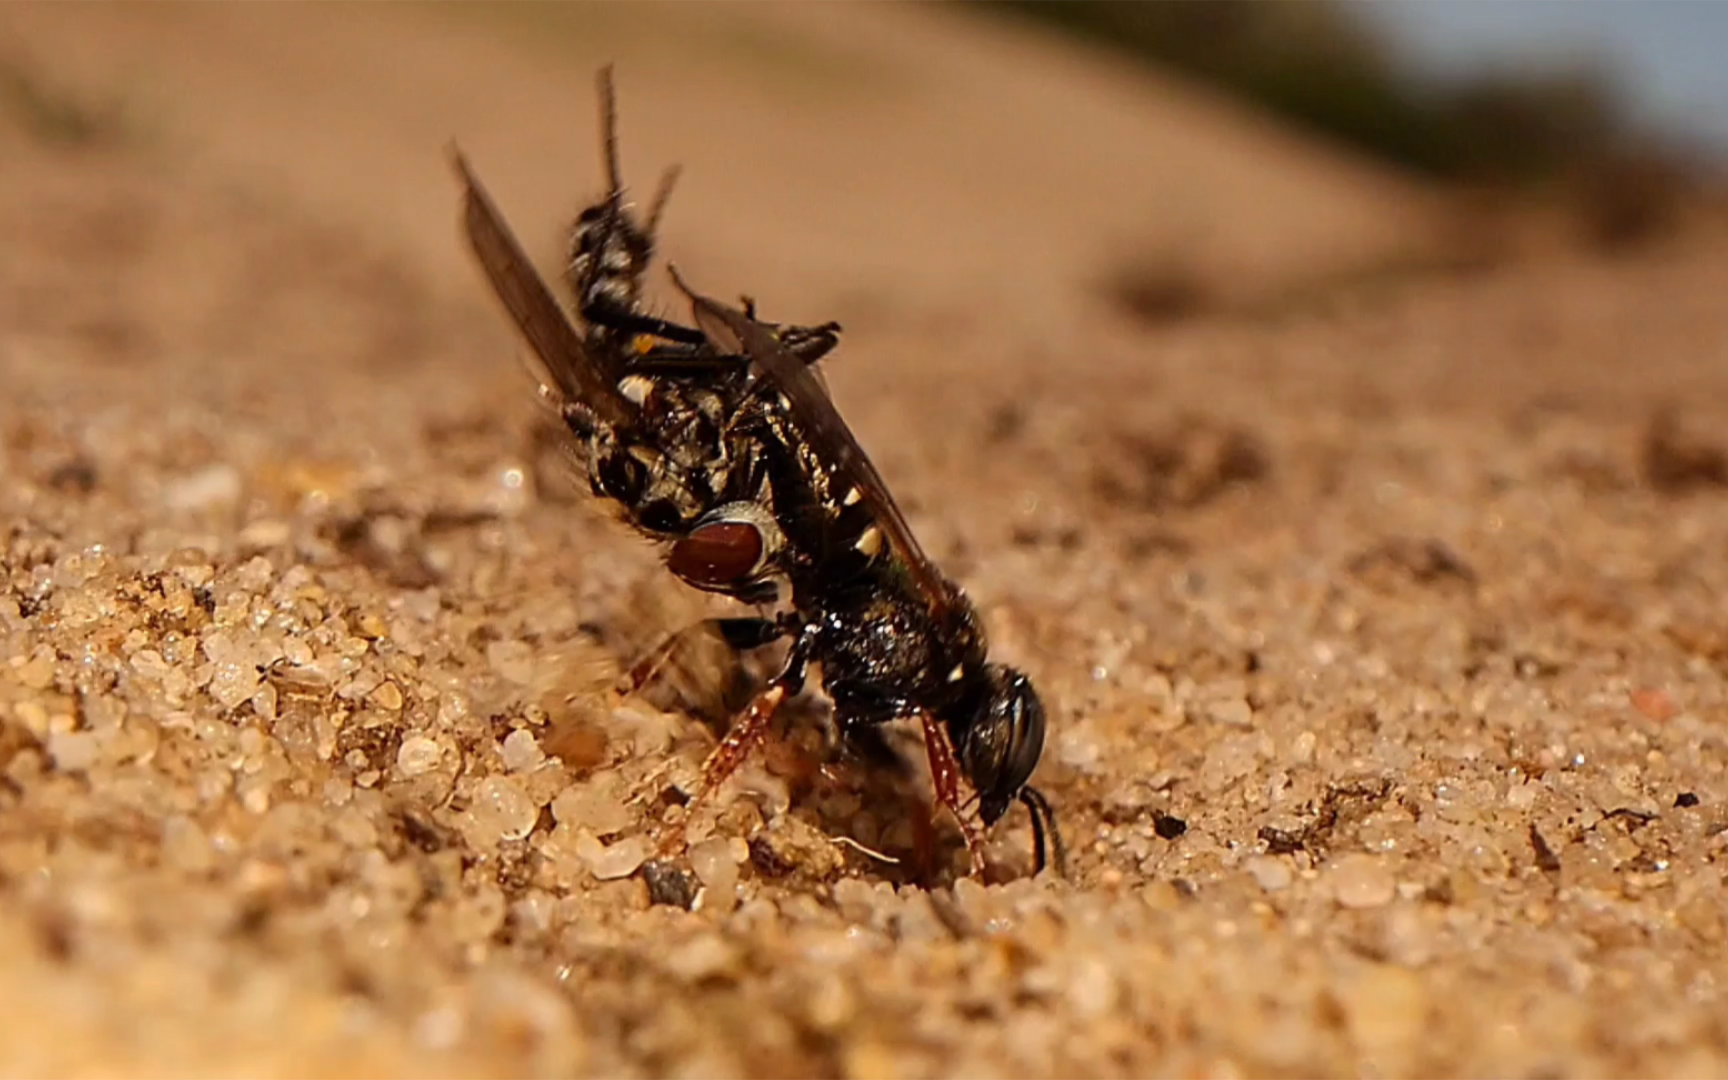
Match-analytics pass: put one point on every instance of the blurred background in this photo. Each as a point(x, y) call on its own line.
point(930, 162)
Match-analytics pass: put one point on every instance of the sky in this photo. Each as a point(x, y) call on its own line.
point(1669, 56)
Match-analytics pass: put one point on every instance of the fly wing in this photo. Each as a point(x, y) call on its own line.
point(733, 332)
point(574, 370)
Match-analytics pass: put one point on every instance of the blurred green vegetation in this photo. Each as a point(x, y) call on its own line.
point(1318, 63)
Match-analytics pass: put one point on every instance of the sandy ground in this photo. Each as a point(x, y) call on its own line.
point(1403, 598)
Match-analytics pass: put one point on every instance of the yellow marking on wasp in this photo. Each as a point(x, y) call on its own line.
point(870, 541)
point(852, 497)
point(642, 344)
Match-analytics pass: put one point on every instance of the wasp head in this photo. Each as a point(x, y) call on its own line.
point(999, 738)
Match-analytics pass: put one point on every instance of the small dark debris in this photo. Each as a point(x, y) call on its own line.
point(1159, 292)
point(74, 477)
point(422, 833)
point(405, 569)
point(768, 859)
point(56, 935)
point(577, 742)
point(1194, 461)
point(1151, 543)
point(1426, 562)
point(668, 885)
point(1546, 860)
point(1634, 819)
point(1678, 461)
point(1531, 666)
point(1168, 826)
point(1065, 538)
point(252, 919)
point(442, 520)
point(1006, 422)
point(1685, 800)
point(15, 738)
point(1344, 804)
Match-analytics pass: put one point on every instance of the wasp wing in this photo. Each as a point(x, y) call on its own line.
point(733, 332)
point(577, 373)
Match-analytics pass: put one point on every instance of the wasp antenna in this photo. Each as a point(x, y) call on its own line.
point(1044, 829)
point(609, 134)
point(661, 194)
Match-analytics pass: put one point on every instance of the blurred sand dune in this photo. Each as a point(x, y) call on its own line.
point(922, 156)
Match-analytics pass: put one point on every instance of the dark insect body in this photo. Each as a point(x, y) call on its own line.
point(721, 440)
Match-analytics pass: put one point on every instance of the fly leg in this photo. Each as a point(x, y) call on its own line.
point(742, 634)
point(742, 738)
point(945, 775)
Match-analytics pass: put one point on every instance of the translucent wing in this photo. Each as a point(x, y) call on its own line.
point(577, 373)
point(733, 332)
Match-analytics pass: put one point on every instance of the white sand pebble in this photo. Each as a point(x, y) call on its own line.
point(715, 862)
point(233, 684)
point(611, 862)
point(521, 753)
point(1271, 872)
point(417, 755)
point(597, 806)
point(73, 751)
point(213, 486)
point(1232, 712)
point(1362, 881)
point(502, 810)
point(702, 957)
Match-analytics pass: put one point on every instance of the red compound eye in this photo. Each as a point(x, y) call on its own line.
point(717, 554)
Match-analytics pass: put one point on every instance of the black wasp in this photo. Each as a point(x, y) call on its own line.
point(721, 441)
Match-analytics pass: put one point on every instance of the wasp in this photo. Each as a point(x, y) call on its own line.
point(720, 439)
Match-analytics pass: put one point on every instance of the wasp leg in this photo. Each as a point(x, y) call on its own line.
point(742, 634)
point(1044, 819)
point(945, 774)
point(679, 358)
point(741, 739)
point(612, 317)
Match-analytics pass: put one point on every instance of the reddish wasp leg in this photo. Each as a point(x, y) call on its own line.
point(945, 773)
point(732, 752)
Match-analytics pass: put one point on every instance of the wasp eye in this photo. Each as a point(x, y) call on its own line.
point(1004, 742)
